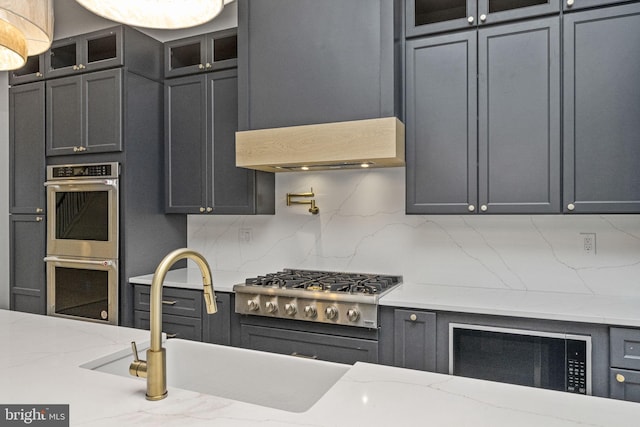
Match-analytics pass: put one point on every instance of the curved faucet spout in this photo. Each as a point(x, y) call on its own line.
point(154, 368)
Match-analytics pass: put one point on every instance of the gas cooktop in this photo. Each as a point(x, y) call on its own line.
point(316, 296)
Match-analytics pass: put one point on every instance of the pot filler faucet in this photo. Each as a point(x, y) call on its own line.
point(154, 369)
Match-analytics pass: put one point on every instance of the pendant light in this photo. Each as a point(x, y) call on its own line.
point(166, 14)
point(26, 28)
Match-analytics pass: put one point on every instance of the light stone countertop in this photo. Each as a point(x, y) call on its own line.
point(41, 357)
point(571, 307)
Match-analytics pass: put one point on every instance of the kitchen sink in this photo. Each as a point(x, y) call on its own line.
point(273, 380)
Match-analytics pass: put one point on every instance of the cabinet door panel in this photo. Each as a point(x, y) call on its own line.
point(216, 328)
point(64, 121)
point(601, 110)
point(441, 135)
point(102, 111)
point(185, 136)
point(26, 148)
point(415, 335)
point(27, 269)
point(435, 16)
point(624, 385)
point(518, 117)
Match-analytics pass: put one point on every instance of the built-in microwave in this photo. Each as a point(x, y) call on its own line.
point(549, 360)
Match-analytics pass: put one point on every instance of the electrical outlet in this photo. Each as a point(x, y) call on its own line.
point(588, 243)
point(245, 235)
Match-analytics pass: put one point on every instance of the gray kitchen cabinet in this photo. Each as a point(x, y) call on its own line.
point(415, 339)
point(203, 53)
point(308, 61)
point(26, 149)
point(434, 16)
point(85, 113)
point(508, 161)
point(184, 314)
point(27, 281)
point(201, 118)
point(32, 71)
point(624, 381)
point(601, 110)
point(331, 348)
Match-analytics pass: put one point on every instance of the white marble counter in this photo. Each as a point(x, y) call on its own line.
point(40, 359)
point(600, 309)
point(190, 278)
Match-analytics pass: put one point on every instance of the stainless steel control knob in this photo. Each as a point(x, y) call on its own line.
point(271, 306)
point(353, 315)
point(290, 309)
point(331, 312)
point(253, 305)
point(310, 312)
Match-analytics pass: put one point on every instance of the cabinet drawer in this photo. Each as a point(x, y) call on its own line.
point(187, 328)
point(624, 385)
point(307, 344)
point(181, 302)
point(625, 348)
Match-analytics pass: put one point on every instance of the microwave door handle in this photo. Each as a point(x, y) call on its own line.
point(58, 184)
point(104, 263)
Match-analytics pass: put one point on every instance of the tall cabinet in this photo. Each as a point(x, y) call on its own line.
point(27, 286)
point(483, 117)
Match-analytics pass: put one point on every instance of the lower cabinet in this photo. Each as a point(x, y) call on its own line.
point(184, 314)
point(27, 282)
point(624, 374)
point(408, 338)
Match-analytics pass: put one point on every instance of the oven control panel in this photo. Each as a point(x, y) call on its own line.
point(79, 171)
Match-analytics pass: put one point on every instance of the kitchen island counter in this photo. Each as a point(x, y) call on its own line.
point(41, 357)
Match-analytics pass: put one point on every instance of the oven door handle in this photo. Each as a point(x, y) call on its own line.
point(104, 263)
point(58, 184)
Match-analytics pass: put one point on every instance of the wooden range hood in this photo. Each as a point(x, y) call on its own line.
point(341, 145)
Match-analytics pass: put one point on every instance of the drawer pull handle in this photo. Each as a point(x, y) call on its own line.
point(171, 335)
point(304, 356)
point(620, 378)
point(169, 302)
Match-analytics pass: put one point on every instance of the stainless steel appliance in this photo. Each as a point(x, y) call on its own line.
point(316, 296)
point(82, 241)
point(549, 360)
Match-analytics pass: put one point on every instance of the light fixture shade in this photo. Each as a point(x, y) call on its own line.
point(13, 49)
point(167, 14)
point(33, 18)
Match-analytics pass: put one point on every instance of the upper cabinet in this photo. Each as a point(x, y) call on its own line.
point(108, 48)
point(602, 110)
point(32, 71)
point(309, 61)
point(207, 52)
point(569, 5)
point(433, 16)
point(483, 120)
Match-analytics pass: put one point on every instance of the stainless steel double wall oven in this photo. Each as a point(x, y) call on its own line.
point(82, 241)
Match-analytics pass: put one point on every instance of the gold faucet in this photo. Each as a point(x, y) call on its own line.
point(154, 369)
point(313, 209)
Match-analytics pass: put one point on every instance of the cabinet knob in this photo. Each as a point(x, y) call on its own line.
point(81, 67)
point(208, 65)
point(38, 74)
point(39, 210)
point(620, 378)
point(39, 219)
point(571, 206)
point(75, 67)
point(483, 208)
point(569, 3)
point(413, 317)
point(483, 17)
point(75, 149)
point(202, 210)
point(471, 208)
point(470, 20)
point(209, 209)
point(200, 66)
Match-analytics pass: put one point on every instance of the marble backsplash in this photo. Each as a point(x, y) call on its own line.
point(362, 227)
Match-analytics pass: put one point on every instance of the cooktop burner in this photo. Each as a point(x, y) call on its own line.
point(326, 281)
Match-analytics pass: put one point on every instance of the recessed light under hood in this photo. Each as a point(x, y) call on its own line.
point(326, 146)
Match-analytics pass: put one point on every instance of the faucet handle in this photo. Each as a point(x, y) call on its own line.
point(209, 298)
point(138, 368)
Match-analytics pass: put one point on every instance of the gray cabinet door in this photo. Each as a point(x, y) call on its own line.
point(216, 328)
point(624, 384)
point(519, 117)
point(441, 132)
point(32, 71)
point(26, 149)
point(415, 340)
point(27, 282)
point(84, 113)
point(310, 61)
point(185, 144)
point(601, 110)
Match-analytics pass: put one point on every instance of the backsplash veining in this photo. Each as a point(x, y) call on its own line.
point(362, 227)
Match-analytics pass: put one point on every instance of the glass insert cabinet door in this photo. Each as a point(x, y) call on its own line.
point(434, 16)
